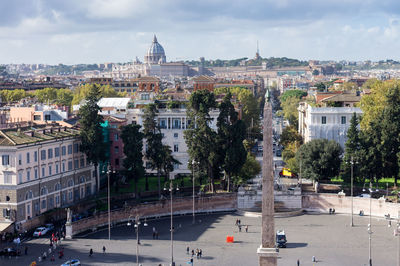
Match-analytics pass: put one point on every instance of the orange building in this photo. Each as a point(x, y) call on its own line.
point(203, 83)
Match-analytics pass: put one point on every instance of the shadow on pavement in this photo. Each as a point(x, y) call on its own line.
point(296, 245)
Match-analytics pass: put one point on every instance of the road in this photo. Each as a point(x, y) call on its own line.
point(327, 237)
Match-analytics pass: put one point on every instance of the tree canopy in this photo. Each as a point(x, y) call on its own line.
point(83, 91)
point(293, 93)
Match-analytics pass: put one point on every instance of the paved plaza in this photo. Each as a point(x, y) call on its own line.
point(327, 237)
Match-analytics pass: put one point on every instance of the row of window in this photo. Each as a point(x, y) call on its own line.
point(49, 154)
point(342, 120)
point(57, 187)
point(56, 167)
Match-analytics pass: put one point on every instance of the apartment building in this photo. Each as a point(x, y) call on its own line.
point(329, 123)
point(41, 169)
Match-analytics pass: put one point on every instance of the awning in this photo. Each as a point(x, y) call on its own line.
point(4, 226)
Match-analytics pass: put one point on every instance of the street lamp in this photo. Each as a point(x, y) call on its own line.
point(193, 164)
point(370, 222)
point(171, 188)
point(109, 171)
point(136, 226)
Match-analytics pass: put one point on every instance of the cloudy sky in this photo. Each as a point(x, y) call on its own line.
point(94, 31)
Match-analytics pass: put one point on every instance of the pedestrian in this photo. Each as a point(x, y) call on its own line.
point(187, 250)
point(240, 228)
point(90, 252)
point(237, 222)
point(26, 250)
point(247, 228)
point(197, 253)
point(390, 223)
point(200, 253)
point(104, 249)
point(192, 253)
point(298, 262)
point(313, 259)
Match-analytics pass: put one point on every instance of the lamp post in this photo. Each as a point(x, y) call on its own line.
point(370, 224)
point(171, 187)
point(352, 164)
point(136, 226)
point(193, 164)
point(109, 171)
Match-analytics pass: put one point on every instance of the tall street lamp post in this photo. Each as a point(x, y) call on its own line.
point(109, 171)
point(352, 165)
point(136, 226)
point(370, 224)
point(171, 188)
point(193, 164)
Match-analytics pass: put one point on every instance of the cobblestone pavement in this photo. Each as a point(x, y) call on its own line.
point(327, 237)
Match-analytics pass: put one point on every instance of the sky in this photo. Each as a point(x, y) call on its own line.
point(98, 31)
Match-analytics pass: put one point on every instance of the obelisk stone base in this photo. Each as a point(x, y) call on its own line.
point(267, 256)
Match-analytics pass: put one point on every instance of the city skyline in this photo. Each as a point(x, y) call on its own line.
point(97, 31)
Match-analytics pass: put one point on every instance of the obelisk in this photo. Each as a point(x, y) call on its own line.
point(267, 251)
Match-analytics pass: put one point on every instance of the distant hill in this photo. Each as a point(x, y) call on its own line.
point(272, 62)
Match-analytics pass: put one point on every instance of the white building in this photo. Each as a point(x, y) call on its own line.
point(329, 123)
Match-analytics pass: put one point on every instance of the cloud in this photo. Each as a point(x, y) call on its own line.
point(118, 30)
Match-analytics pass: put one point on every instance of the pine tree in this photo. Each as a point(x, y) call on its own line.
point(352, 149)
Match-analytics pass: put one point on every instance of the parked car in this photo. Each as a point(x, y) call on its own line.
point(49, 227)
point(40, 231)
point(364, 195)
point(73, 262)
point(9, 252)
point(278, 153)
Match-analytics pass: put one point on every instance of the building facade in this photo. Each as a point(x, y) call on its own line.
point(329, 123)
point(42, 168)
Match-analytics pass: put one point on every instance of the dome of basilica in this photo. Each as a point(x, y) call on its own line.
point(155, 53)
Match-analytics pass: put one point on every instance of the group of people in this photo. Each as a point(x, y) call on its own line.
point(238, 224)
point(197, 252)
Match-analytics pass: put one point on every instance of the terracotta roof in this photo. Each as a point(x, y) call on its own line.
point(345, 97)
point(203, 78)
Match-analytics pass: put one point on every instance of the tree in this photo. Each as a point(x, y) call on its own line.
point(92, 141)
point(290, 135)
point(320, 159)
point(64, 97)
point(290, 112)
point(200, 139)
point(321, 86)
point(250, 169)
point(293, 93)
point(231, 134)
point(168, 160)
point(133, 147)
point(46, 95)
point(83, 91)
point(352, 148)
point(12, 95)
point(153, 136)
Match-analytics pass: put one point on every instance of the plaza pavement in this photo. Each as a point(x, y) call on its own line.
point(327, 237)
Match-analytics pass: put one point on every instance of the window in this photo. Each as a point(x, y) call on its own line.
point(323, 120)
point(43, 172)
point(36, 206)
point(47, 117)
point(176, 123)
point(7, 178)
point(28, 175)
point(43, 191)
point(69, 165)
point(117, 162)
point(163, 123)
point(57, 168)
point(343, 120)
point(82, 179)
point(51, 202)
point(50, 170)
point(42, 155)
point(176, 166)
point(76, 163)
point(70, 149)
point(70, 195)
point(82, 192)
point(44, 204)
point(116, 137)
point(82, 162)
point(64, 197)
point(28, 209)
point(50, 153)
point(36, 117)
point(116, 149)
point(35, 156)
point(28, 158)
point(56, 152)
point(148, 165)
point(19, 177)
point(176, 148)
point(145, 97)
point(175, 135)
point(70, 183)
point(63, 150)
point(76, 148)
point(36, 173)
point(57, 199)
point(5, 160)
point(29, 195)
point(19, 159)
point(63, 166)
